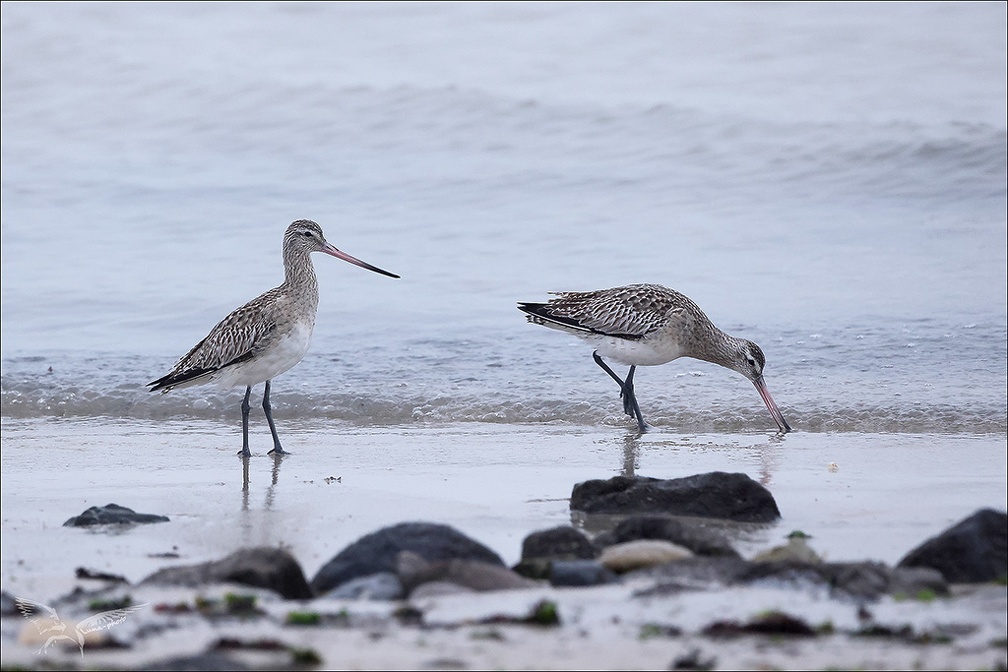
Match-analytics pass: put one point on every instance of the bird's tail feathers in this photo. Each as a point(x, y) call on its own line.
point(538, 313)
point(179, 381)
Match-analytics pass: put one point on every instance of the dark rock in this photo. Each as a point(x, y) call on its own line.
point(779, 623)
point(537, 568)
point(696, 573)
point(413, 571)
point(439, 589)
point(580, 573)
point(794, 573)
point(560, 543)
point(262, 567)
point(771, 623)
point(384, 586)
point(974, 550)
point(377, 552)
point(868, 580)
point(903, 632)
point(912, 581)
point(693, 660)
point(97, 575)
point(692, 535)
point(264, 643)
point(210, 662)
point(543, 613)
point(712, 495)
point(865, 580)
point(408, 616)
point(113, 514)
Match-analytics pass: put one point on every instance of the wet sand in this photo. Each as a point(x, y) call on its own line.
point(860, 496)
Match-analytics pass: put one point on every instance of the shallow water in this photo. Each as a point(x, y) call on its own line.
point(827, 180)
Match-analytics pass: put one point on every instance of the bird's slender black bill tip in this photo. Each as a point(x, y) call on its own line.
point(380, 271)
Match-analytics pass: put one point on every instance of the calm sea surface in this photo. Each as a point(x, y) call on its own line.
point(828, 180)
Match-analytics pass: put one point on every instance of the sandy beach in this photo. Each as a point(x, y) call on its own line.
point(860, 497)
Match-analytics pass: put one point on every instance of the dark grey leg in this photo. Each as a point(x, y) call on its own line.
point(630, 400)
point(605, 367)
point(245, 452)
point(627, 408)
point(628, 397)
point(630, 406)
point(277, 448)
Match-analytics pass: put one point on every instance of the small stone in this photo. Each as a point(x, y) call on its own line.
point(480, 576)
point(795, 550)
point(561, 543)
point(641, 554)
point(113, 514)
point(580, 573)
point(438, 589)
point(693, 533)
point(384, 586)
point(263, 567)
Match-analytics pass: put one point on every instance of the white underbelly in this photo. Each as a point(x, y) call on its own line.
point(283, 353)
point(635, 353)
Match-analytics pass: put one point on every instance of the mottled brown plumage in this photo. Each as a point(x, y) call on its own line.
point(266, 336)
point(648, 325)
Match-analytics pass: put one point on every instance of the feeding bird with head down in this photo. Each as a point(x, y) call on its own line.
point(649, 325)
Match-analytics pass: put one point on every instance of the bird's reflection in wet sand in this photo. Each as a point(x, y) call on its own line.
point(767, 456)
point(274, 480)
point(631, 454)
point(275, 477)
point(245, 481)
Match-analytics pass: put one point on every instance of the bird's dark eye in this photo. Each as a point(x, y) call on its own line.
point(307, 234)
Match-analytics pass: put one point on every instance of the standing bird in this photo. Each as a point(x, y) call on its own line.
point(266, 336)
point(647, 325)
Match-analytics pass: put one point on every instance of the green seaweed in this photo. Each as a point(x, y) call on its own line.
point(922, 595)
point(826, 628)
point(239, 604)
point(654, 630)
point(545, 613)
point(305, 656)
point(303, 618)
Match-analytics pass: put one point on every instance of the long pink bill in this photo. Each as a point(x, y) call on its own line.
point(329, 249)
point(768, 400)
